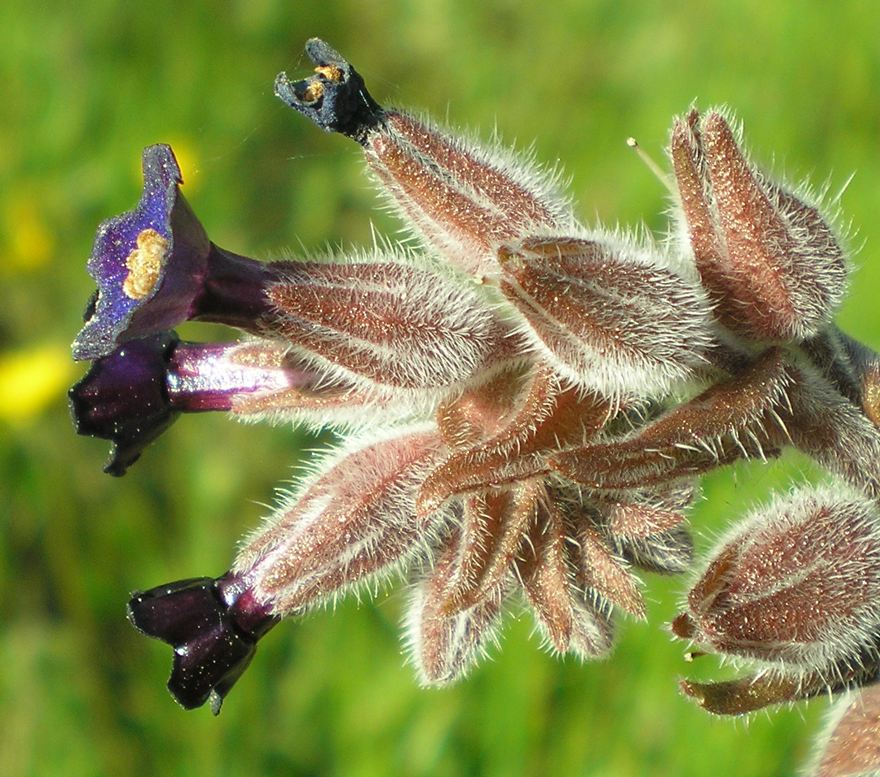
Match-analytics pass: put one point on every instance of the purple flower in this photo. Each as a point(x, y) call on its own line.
point(213, 626)
point(155, 268)
point(135, 393)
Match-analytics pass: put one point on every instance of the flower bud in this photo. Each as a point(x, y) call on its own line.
point(770, 260)
point(607, 314)
point(463, 200)
point(796, 585)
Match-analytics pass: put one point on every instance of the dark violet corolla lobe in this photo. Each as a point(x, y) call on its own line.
point(156, 268)
point(213, 626)
point(123, 398)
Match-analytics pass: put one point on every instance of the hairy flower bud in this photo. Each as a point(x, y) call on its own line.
point(796, 585)
point(772, 263)
point(461, 199)
point(606, 313)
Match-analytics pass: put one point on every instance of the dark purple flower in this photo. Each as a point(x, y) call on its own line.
point(155, 268)
point(213, 626)
point(136, 392)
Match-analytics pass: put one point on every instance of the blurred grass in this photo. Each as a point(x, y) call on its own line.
point(85, 87)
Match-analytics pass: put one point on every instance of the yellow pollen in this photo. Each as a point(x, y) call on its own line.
point(144, 264)
point(314, 91)
point(330, 72)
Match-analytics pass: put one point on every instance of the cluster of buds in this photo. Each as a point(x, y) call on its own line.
point(525, 406)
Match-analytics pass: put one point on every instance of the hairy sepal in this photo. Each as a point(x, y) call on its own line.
point(610, 315)
point(647, 527)
point(570, 621)
point(771, 261)
point(386, 324)
point(445, 644)
point(543, 417)
point(352, 522)
point(741, 417)
point(834, 431)
point(462, 199)
point(493, 525)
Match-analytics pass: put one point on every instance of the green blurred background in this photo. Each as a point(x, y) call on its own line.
point(84, 87)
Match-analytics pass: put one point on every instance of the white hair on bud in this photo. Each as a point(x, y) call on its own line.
point(389, 323)
point(640, 331)
point(349, 524)
point(809, 562)
point(461, 197)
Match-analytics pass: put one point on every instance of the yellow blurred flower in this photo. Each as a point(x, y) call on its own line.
point(31, 379)
point(30, 242)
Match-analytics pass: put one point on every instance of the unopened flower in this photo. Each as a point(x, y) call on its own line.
point(610, 315)
point(770, 260)
point(796, 587)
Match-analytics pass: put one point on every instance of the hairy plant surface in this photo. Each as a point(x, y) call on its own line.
point(525, 406)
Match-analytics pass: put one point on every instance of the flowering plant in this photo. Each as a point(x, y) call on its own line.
point(525, 405)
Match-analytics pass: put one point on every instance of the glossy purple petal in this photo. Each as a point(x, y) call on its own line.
point(123, 398)
point(213, 626)
point(156, 268)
